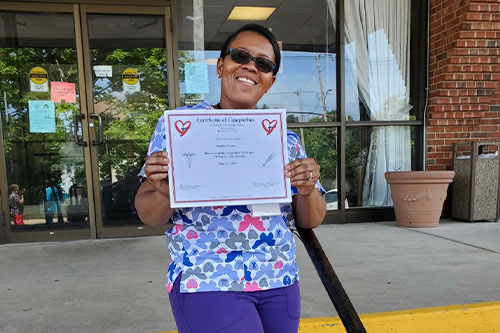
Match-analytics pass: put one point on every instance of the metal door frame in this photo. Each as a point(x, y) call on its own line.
point(80, 12)
point(119, 231)
point(58, 235)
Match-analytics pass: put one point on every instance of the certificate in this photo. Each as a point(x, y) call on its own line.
point(227, 157)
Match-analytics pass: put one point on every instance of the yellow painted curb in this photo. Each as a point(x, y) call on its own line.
point(467, 318)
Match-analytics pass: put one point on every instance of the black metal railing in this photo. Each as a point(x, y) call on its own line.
point(331, 282)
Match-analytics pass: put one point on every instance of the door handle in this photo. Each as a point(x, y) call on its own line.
point(99, 133)
point(77, 119)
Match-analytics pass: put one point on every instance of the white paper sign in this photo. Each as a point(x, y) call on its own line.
point(131, 88)
point(44, 87)
point(196, 77)
point(227, 157)
point(103, 71)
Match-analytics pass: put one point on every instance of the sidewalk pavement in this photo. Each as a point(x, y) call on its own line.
point(117, 285)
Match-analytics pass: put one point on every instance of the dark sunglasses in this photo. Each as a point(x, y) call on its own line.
point(242, 57)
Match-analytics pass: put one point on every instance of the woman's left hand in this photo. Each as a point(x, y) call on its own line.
point(303, 174)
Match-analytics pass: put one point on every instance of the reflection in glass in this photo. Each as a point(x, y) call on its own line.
point(377, 69)
point(321, 144)
point(299, 89)
point(377, 60)
point(366, 163)
point(36, 51)
point(128, 60)
point(306, 83)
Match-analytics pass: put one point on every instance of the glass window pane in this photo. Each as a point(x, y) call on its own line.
point(321, 144)
point(106, 31)
point(24, 29)
point(306, 82)
point(377, 60)
point(41, 97)
point(130, 93)
point(370, 152)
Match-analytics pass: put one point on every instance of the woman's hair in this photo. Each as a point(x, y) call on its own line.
point(13, 187)
point(261, 30)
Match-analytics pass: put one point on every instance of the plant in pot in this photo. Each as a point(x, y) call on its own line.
point(418, 196)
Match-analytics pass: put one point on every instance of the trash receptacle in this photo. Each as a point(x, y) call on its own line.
point(476, 185)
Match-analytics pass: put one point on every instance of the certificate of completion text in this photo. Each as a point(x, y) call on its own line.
point(227, 157)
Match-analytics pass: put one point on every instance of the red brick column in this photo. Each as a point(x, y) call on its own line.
point(464, 77)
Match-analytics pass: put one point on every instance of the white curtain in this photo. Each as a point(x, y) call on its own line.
point(380, 32)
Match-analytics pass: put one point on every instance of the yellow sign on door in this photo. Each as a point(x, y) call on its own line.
point(39, 79)
point(130, 78)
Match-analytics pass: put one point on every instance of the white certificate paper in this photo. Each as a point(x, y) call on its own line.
point(227, 157)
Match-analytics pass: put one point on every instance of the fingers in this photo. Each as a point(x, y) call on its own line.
point(302, 182)
point(159, 157)
point(156, 166)
point(303, 172)
point(157, 176)
point(156, 172)
point(299, 162)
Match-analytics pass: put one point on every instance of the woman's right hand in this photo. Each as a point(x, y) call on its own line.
point(156, 171)
point(152, 200)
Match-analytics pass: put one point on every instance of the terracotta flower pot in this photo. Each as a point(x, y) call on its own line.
point(418, 196)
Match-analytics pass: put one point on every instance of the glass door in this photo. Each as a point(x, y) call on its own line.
point(82, 87)
point(41, 94)
point(126, 50)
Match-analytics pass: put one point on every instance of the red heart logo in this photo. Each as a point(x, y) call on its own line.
point(184, 126)
point(269, 126)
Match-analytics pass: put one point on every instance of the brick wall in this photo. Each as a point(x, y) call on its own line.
point(464, 77)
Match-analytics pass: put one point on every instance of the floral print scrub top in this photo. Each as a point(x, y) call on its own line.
point(225, 248)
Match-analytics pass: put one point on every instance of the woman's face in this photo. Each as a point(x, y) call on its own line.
point(242, 86)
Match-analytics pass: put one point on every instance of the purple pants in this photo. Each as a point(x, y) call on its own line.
point(274, 310)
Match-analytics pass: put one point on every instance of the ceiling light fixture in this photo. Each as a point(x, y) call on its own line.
point(247, 13)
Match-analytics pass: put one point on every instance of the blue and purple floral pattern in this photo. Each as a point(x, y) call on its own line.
point(226, 249)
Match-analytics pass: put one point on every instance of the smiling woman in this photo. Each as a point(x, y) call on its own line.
point(232, 271)
point(240, 68)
